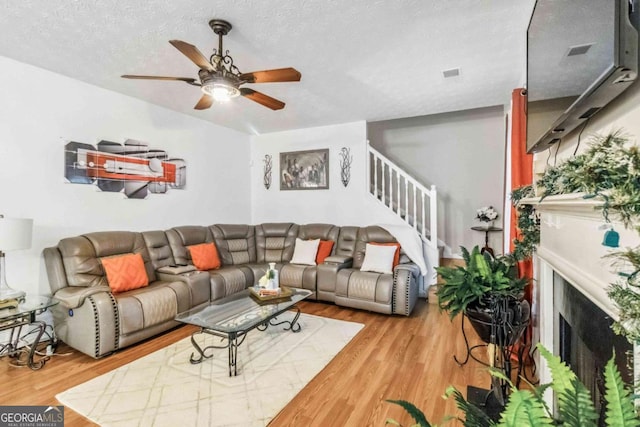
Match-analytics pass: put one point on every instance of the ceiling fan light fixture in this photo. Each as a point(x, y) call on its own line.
point(219, 79)
point(220, 91)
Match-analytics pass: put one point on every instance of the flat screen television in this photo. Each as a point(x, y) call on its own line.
point(581, 54)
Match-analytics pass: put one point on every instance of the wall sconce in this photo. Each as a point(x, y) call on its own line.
point(345, 165)
point(268, 164)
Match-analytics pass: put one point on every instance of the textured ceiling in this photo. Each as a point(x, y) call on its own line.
point(556, 28)
point(360, 59)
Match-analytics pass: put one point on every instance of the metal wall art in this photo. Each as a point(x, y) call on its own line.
point(133, 169)
point(268, 164)
point(304, 170)
point(345, 165)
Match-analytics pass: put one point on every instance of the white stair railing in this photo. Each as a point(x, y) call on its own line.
point(413, 202)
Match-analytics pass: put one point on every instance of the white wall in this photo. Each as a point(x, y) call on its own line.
point(337, 205)
point(40, 111)
point(463, 154)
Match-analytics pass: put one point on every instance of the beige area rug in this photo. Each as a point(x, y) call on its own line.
point(164, 389)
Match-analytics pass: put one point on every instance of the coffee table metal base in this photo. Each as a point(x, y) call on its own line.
point(235, 339)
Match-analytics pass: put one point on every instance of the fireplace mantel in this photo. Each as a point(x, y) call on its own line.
point(571, 235)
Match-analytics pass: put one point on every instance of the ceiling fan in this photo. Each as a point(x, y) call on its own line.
point(220, 79)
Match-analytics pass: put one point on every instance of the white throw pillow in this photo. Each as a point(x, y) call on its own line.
point(378, 259)
point(305, 252)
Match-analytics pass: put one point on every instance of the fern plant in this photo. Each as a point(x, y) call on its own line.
point(528, 407)
point(482, 275)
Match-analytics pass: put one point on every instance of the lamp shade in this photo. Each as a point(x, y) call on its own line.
point(15, 233)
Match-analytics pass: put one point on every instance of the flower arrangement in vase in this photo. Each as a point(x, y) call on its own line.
point(486, 215)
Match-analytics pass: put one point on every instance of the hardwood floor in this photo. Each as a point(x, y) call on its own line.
point(393, 357)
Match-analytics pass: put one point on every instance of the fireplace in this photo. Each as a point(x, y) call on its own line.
point(585, 340)
point(572, 312)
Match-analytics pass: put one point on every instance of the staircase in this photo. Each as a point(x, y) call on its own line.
point(411, 201)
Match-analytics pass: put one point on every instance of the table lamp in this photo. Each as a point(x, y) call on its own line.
point(15, 234)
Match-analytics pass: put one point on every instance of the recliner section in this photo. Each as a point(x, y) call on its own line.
point(376, 291)
point(161, 255)
point(231, 277)
point(306, 276)
point(236, 243)
point(98, 322)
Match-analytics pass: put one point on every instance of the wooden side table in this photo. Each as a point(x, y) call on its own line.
point(486, 230)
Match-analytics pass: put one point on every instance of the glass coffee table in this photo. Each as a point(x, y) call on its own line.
point(232, 317)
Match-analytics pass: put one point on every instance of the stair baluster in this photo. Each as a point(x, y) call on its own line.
point(401, 199)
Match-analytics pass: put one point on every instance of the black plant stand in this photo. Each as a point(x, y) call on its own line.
point(469, 350)
point(503, 336)
point(520, 354)
point(485, 400)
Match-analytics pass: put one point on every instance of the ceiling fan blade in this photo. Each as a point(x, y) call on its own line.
point(192, 52)
point(278, 75)
point(182, 79)
point(205, 102)
point(262, 99)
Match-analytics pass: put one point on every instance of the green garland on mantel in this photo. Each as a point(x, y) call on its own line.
point(527, 222)
point(610, 170)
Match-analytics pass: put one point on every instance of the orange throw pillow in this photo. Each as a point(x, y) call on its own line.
point(324, 250)
point(396, 256)
point(125, 272)
point(205, 256)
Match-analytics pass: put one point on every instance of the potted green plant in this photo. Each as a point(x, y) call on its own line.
point(476, 288)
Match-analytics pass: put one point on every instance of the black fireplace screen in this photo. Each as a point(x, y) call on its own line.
point(585, 340)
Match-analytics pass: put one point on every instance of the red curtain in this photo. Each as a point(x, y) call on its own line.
point(521, 174)
point(521, 165)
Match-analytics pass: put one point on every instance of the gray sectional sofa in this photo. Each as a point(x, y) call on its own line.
point(96, 321)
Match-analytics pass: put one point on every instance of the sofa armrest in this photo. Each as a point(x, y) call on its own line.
point(409, 267)
point(405, 288)
point(87, 319)
point(74, 296)
point(342, 261)
point(198, 282)
point(327, 274)
point(176, 269)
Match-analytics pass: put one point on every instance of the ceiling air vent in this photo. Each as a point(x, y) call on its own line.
point(579, 50)
point(453, 72)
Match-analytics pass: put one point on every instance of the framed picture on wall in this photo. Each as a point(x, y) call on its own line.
point(304, 170)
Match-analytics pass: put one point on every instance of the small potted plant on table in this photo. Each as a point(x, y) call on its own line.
point(486, 215)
